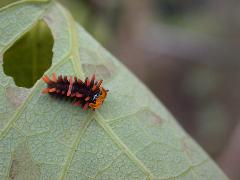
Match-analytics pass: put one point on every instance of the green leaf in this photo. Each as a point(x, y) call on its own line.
point(33, 54)
point(132, 136)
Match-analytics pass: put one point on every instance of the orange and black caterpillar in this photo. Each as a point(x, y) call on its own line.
point(87, 94)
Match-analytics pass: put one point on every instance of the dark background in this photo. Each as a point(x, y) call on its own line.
point(187, 52)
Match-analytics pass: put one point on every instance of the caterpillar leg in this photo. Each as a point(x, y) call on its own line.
point(45, 91)
point(46, 79)
point(54, 77)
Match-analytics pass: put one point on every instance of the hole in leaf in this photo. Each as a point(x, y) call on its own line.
point(30, 56)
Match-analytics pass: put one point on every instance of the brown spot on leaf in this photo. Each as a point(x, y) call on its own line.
point(150, 118)
point(13, 169)
point(23, 166)
point(155, 119)
point(192, 150)
point(48, 19)
point(102, 71)
point(16, 95)
point(185, 144)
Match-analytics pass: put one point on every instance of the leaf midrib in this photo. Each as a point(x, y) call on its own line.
point(97, 116)
point(78, 67)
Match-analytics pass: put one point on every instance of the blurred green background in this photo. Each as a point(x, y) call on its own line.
point(187, 52)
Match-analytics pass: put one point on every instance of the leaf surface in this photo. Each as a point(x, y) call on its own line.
point(132, 136)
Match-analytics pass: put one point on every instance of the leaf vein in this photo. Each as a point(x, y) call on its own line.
point(74, 148)
point(122, 146)
point(24, 104)
point(28, 28)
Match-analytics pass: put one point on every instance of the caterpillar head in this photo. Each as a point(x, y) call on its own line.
point(98, 99)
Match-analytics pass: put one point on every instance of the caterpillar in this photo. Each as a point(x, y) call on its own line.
point(87, 94)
